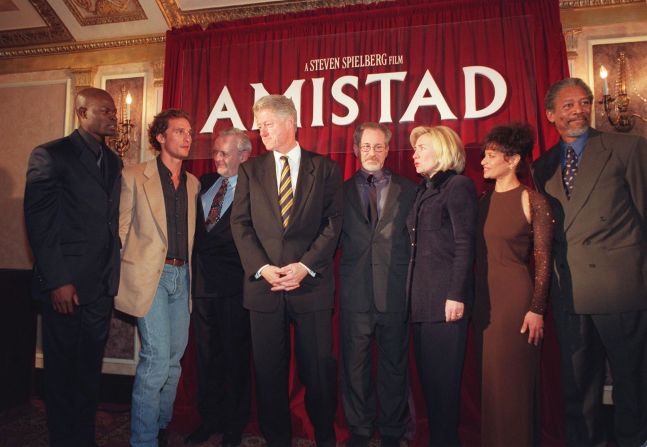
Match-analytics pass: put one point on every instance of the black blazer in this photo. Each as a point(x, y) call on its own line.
point(71, 215)
point(374, 262)
point(311, 237)
point(217, 271)
point(442, 226)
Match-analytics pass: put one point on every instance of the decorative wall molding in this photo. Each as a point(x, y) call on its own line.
point(83, 46)
point(570, 37)
point(571, 4)
point(176, 18)
point(82, 78)
point(88, 14)
point(54, 32)
point(158, 73)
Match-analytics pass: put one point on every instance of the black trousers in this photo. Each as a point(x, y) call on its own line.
point(586, 342)
point(391, 334)
point(316, 368)
point(223, 342)
point(440, 351)
point(73, 352)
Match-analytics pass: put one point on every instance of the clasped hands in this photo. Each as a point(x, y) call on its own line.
point(286, 278)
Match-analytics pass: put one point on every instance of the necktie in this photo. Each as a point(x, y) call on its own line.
point(286, 199)
point(216, 205)
point(372, 201)
point(570, 171)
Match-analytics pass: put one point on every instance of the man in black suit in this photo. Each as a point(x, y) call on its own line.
point(71, 213)
point(286, 220)
point(375, 258)
point(220, 323)
point(596, 183)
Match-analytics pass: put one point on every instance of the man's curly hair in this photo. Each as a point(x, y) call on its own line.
point(160, 124)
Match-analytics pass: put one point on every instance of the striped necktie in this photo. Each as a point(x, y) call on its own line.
point(286, 199)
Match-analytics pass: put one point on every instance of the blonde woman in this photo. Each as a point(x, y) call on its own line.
point(442, 226)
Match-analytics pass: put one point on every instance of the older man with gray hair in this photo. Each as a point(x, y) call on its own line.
point(220, 323)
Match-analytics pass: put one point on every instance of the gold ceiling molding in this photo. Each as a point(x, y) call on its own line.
point(103, 12)
point(176, 18)
point(83, 46)
point(54, 31)
point(571, 4)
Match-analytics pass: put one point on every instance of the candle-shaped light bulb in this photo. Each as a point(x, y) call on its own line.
point(129, 101)
point(605, 85)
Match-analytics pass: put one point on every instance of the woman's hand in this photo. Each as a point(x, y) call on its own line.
point(453, 310)
point(534, 324)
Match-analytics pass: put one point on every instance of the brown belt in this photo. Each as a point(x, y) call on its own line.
point(175, 262)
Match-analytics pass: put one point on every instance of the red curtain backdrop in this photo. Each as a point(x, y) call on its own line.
point(405, 63)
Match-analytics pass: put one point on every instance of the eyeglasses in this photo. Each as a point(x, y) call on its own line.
point(377, 148)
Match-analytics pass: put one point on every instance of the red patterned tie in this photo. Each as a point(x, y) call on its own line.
point(216, 205)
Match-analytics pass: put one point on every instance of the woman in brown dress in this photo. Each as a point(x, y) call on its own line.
point(515, 228)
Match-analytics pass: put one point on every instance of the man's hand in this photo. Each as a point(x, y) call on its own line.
point(453, 310)
point(291, 277)
point(64, 299)
point(271, 275)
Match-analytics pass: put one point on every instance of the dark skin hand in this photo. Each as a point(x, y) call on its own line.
point(64, 299)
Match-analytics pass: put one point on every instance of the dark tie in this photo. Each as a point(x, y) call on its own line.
point(286, 199)
point(570, 171)
point(371, 211)
point(216, 205)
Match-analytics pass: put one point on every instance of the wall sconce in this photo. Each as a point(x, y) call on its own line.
point(617, 110)
point(121, 144)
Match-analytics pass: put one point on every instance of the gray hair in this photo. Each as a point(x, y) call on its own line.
point(243, 142)
point(279, 104)
point(359, 130)
point(553, 91)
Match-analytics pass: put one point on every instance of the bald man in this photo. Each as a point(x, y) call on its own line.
point(71, 213)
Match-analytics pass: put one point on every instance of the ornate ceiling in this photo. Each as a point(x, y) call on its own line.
point(37, 27)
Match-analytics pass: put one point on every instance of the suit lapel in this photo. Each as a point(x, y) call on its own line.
point(304, 186)
point(192, 186)
point(355, 201)
point(271, 188)
point(390, 203)
point(594, 159)
point(86, 158)
point(155, 197)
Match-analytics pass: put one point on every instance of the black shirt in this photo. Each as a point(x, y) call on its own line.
point(175, 203)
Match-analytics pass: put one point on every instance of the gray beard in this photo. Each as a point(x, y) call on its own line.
point(577, 132)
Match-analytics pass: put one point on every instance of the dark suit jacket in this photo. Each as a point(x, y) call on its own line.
point(374, 262)
point(71, 216)
point(600, 248)
point(311, 237)
point(442, 226)
point(217, 271)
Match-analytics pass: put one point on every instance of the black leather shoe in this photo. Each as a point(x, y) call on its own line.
point(358, 441)
point(200, 435)
point(162, 438)
point(232, 440)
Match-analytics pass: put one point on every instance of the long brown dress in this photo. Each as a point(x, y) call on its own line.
point(508, 246)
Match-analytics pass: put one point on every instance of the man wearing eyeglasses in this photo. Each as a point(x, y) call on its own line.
point(375, 257)
point(156, 227)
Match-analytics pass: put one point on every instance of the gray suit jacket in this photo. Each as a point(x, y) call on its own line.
point(600, 247)
point(374, 262)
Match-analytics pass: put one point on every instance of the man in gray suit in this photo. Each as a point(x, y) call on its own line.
point(597, 185)
point(375, 257)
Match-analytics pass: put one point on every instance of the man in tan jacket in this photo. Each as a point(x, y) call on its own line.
point(156, 226)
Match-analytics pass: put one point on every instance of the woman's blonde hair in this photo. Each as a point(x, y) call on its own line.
point(447, 145)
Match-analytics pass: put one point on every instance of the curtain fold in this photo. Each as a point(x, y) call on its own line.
point(226, 65)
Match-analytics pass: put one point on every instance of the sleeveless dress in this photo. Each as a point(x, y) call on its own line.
point(508, 246)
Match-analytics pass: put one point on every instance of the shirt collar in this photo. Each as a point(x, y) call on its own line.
point(379, 175)
point(231, 181)
point(294, 155)
point(93, 144)
point(578, 145)
point(166, 172)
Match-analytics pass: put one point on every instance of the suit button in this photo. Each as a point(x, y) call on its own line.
point(592, 266)
point(603, 219)
point(413, 244)
point(587, 242)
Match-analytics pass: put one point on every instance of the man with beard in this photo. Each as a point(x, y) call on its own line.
point(597, 185)
point(71, 208)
